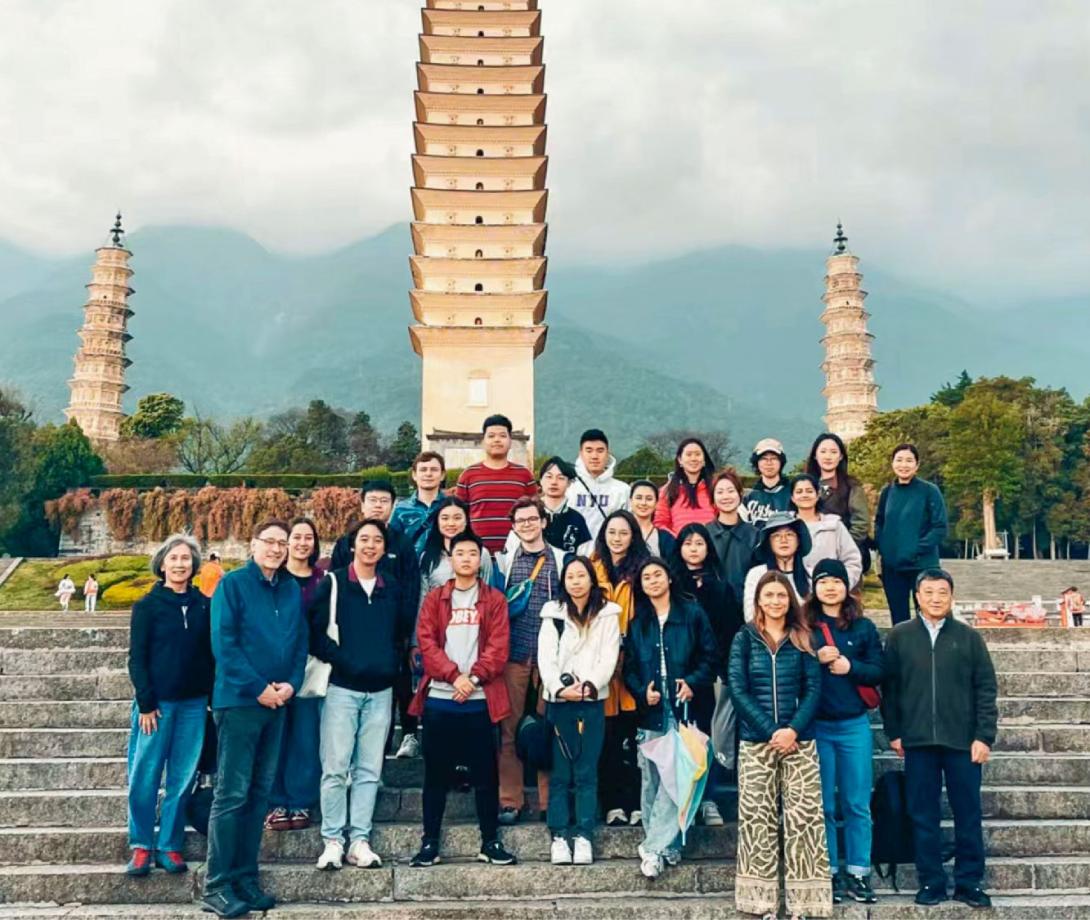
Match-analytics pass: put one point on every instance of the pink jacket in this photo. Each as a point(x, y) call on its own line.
point(674, 517)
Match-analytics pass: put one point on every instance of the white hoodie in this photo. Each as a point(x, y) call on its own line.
point(588, 655)
point(596, 498)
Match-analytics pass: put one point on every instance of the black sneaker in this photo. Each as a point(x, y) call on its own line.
point(858, 888)
point(494, 853)
point(428, 855)
point(224, 903)
point(974, 897)
point(930, 896)
point(838, 888)
point(508, 815)
point(250, 891)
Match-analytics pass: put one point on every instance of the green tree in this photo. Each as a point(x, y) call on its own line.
point(16, 467)
point(364, 448)
point(951, 394)
point(644, 462)
point(403, 448)
point(156, 415)
point(206, 446)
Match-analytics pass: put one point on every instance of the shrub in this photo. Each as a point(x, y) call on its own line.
point(331, 508)
point(64, 512)
point(126, 593)
point(154, 512)
point(121, 506)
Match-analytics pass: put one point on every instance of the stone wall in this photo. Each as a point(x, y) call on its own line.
point(92, 538)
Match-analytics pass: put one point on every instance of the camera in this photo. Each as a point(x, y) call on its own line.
point(567, 679)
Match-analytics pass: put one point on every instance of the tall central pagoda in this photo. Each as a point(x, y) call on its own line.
point(479, 228)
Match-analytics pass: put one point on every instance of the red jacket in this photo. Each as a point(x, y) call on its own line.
point(673, 518)
point(493, 647)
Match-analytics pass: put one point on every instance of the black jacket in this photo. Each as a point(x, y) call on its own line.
point(689, 647)
point(772, 691)
point(400, 564)
point(862, 646)
point(734, 546)
point(761, 501)
point(170, 649)
point(724, 613)
point(944, 696)
point(372, 630)
point(910, 525)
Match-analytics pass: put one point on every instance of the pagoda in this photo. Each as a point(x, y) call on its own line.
point(479, 230)
point(99, 379)
point(851, 395)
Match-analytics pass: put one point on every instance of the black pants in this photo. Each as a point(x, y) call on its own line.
point(925, 768)
point(403, 696)
point(249, 750)
point(618, 771)
point(452, 738)
point(900, 588)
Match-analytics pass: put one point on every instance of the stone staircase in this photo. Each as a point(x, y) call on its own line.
point(64, 705)
point(1017, 579)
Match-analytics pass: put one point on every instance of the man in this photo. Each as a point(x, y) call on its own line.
point(771, 492)
point(492, 486)
point(534, 561)
point(595, 494)
point(211, 573)
point(259, 639)
point(464, 638)
point(940, 712)
point(413, 515)
point(565, 528)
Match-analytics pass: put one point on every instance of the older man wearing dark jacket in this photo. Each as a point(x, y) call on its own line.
point(940, 712)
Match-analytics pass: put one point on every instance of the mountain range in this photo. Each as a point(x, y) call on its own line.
point(726, 338)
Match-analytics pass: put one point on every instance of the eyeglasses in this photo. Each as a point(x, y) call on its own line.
point(519, 522)
point(273, 544)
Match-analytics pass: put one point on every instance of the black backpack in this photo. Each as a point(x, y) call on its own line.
point(892, 842)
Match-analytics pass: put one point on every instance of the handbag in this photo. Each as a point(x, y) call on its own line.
point(518, 596)
point(316, 675)
point(870, 696)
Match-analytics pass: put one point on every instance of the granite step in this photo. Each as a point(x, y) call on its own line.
point(25, 631)
point(1016, 768)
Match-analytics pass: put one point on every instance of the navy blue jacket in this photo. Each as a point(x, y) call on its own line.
point(862, 646)
point(910, 525)
point(772, 691)
point(259, 635)
point(734, 546)
point(400, 564)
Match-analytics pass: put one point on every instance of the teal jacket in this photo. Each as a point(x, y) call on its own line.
point(910, 525)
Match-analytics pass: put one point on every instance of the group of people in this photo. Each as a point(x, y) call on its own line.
point(614, 611)
point(66, 589)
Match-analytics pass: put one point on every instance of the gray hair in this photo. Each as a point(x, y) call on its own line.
point(176, 539)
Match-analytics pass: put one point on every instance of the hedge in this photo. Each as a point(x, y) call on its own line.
point(289, 482)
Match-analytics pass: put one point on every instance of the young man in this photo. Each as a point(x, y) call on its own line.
point(565, 528)
point(492, 486)
point(595, 494)
point(535, 561)
point(940, 712)
point(259, 639)
point(464, 638)
point(771, 492)
point(412, 516)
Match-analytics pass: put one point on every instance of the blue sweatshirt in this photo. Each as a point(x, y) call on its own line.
point(910, 525)
point(259, 635)
point(862, 646)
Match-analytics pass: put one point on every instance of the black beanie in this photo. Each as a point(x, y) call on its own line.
point(830, 568)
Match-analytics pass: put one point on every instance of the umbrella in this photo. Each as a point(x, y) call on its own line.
point(681, 756)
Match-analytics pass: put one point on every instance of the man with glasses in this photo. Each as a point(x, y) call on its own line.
point(534, 561)
point(259, 639)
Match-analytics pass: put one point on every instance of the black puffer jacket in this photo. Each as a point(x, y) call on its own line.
point(772, 691)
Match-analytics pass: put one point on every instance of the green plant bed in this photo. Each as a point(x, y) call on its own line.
point(874, 597)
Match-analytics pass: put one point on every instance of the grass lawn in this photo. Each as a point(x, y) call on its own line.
point(874, 597)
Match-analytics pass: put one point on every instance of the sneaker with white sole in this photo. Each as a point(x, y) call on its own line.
point(671, 857)
point(709, 814)
point(560, 852)
point(410, 747)
point(582, 852)
point(636, 818)
point(362, 856)
point(616, 817)
point(332, 856)
point(650, 863)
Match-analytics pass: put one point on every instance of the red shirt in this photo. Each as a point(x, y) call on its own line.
point(490, 495)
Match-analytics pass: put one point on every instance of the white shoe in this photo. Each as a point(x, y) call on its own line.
point(362, 856)
point(560, 854)
point(709, 814)
point(616, 817)
point(332, 855)
point(583, 854)
point(672, 857)
point(650, 863)
point(410, 747)
point(635, 818)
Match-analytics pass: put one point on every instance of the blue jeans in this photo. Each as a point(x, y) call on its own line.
point(354, 727)
point(660, 815)
point(845, 748)
point(576, 778)
point(300, 770)
point(176, 745)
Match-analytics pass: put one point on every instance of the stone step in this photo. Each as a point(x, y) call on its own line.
point(53, 631)
point(1049, 738)
point(1030, 683)
point(1018, 768)
point(41, 661)
point(66, 714)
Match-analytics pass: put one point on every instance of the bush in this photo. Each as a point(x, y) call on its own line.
point(124, 594)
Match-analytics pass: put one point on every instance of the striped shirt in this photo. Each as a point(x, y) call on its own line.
point(490, 495)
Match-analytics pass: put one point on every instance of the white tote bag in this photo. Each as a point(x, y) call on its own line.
point(316, 676)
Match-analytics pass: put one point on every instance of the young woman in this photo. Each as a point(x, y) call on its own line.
point(785, 543)
point(65, 589)
point(451, 518)
point(299, 770)
point(577, 651)
point(733, 538)
point(841, 494)
point(619, 550)
point(775, 684)
point(850, 653)
point(829, 538)
point(770, 492)
point(643, 499)
point(687, 498)
point(669, 655)
point(170, 665)
point(90, 594)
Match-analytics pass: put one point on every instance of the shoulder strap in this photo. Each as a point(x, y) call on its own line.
point(332, 630)
point(592, 495)
point(826, 632)
point(538, 566)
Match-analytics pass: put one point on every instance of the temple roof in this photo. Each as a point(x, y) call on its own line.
point(424, 267)
point(487, 4)
point(472, 47)
point(438, 107)
point(533, 302)
point(437, 337)
point(471, 76)
point(533, 234)
point(501, 167)
point(471, 21)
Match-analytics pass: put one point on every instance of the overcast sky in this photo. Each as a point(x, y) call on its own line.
point(953, 139)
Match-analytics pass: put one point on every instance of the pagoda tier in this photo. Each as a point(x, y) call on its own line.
point(482, 23)
point(480, 52)
point(483, 276)
point(439, 206)
point(445, 78)
point(479, 109)
point(434, 309)
point(455, 241)
point(478, 141)
point(489, 5)
point(479, 174)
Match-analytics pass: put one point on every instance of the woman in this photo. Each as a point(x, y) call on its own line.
point(769, 493)
point(643, 498)
point(733, 538)
point(687, 498)
point(785, 543)
point(299, 771)
point(775, 684)
point(908, 529)
point(619, 550)
point(90, 593)
point(850, 652)
point(577, 651)
point(669, 655)
point(65, 589)
point(841, 494)
point(450, 519)
point(170, 665)
point(829, 538)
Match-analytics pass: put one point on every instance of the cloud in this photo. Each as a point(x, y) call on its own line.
point(952, 139)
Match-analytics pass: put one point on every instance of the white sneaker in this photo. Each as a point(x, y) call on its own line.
point(410, 747)
point(332, 855)
point(636, 818)
point(362, 856)
point(616, 817)
point(583, 854)
point(560, 854)
point(650, 863)
point(709, 814)
point(671, 857)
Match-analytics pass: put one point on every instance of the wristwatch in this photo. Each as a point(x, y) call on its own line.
point(475, 680)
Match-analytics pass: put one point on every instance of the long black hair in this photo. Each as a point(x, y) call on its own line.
point(434, 545)
point(677, 562)
point(679, 480)
point(841, 468)
point(595, 601)
point(637, 550)
point(642, 606)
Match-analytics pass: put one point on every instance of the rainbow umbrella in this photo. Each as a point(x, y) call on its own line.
point(682, 756)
